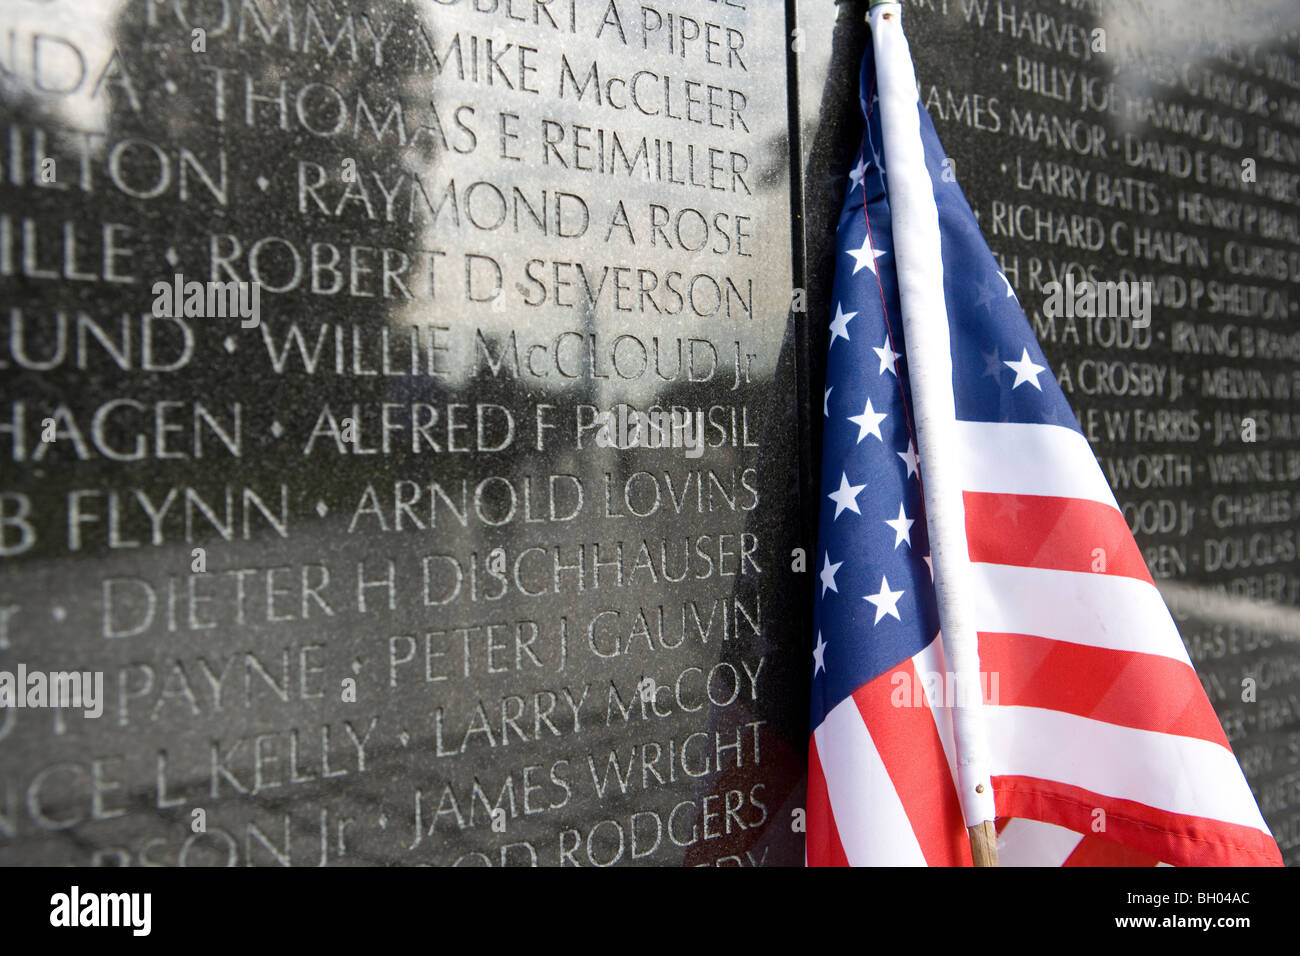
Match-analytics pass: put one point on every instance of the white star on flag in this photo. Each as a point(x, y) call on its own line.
point(826, 402)
point(886, 601)
point(1026, 370)
point(828, 574)
point(846, 496)
point(868, 422)
point(992, 364)
point(888, 357)
point(865, 256)
point(840, 324)
point(1011, 293)
point(857, 172)
point(910, 458)
point(988, 294)
point(819, 655)
point(902, 526)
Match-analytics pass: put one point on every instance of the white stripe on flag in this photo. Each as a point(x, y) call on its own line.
point(1014, 458)
point(1035, 843)
point(1171, 773)
point(1099, 610)
point(874, 829)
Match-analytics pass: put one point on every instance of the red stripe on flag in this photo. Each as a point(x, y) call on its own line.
point(1144, 691)
point(1177, 838)
point(1094, 851)
point(909, 746)
point(1063, 534)
point(823, 837)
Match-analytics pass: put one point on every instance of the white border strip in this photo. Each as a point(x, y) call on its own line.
point(919, 262)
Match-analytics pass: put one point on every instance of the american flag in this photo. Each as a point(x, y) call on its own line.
point(1100, 744)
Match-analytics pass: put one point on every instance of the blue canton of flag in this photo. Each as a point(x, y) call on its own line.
point(875, 600)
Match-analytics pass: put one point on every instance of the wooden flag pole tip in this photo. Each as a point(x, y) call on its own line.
point(984, 843)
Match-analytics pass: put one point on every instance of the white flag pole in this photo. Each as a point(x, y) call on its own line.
point(919, 264)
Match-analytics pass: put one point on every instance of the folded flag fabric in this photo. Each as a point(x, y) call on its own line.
point(1094, 733)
